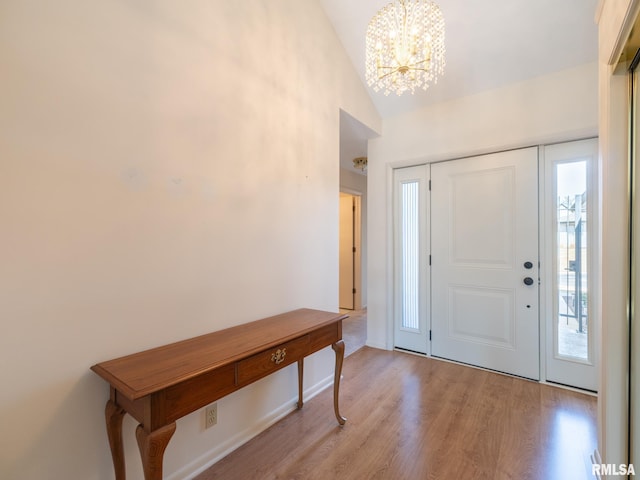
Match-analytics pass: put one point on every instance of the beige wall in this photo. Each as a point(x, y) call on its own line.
point(167, 170)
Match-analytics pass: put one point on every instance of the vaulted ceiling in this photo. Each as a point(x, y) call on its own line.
point(489, 44)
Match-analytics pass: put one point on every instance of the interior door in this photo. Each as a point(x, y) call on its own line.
point(347, 245)
point(484, 234)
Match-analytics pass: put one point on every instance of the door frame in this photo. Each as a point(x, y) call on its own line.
point(546, 245)
point(409, 339)
point(392, 166)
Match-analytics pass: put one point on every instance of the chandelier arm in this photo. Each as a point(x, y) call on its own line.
point(387, 74)
point(411, 66)
point(427, 60)
point(397, 69)
point(389, 68)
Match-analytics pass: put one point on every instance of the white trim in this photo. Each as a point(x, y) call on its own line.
point(623, 34)
point(379, 346)
point(389, 267)
point(551, 140)
point(543, 293)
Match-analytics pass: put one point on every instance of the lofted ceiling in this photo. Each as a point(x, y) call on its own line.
point(489, 44)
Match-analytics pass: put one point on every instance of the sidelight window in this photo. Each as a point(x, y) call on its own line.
point(571, 260)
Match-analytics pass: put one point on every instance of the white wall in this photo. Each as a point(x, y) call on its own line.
point(167, 170)
point(557, 107)
point(615, 20)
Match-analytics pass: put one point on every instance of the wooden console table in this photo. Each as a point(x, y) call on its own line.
point(161, 385)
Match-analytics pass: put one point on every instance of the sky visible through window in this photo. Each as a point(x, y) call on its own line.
point(572, 178)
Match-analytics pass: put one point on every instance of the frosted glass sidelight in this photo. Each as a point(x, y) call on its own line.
point(410, 276)
point(411, 248)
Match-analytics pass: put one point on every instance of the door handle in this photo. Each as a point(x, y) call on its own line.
point(528, 265)
point(528, 281)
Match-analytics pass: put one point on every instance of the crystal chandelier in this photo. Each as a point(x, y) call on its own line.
point(405, 46)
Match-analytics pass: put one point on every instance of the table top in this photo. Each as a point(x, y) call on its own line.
point(149, 371)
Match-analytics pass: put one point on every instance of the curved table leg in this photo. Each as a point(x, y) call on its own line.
point(114, 414)
point(152, 446)
point(338, 347)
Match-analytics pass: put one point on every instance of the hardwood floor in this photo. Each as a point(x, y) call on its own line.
point(354, 330)
point(410, 417)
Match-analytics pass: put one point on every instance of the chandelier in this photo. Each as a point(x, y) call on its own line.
point(360, 163)
point(405, 46)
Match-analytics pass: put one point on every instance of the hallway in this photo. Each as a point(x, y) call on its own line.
point(354, 330)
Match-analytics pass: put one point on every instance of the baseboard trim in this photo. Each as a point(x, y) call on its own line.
point(220, 451)
point(378, 346)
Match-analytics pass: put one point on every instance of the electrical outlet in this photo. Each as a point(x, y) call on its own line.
point(211, 415)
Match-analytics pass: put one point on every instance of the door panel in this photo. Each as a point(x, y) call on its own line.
point(498, 329)
point(491, 228)
point(484, 228)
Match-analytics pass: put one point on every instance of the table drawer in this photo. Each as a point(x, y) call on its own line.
point(268, 361)
point(195, 393)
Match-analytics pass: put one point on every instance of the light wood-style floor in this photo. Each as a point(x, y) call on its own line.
point(354, 330)
point(410, 417)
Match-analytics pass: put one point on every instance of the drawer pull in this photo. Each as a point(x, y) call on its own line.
point(278, 356)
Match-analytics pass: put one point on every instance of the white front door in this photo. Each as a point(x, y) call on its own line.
point(484, 237)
